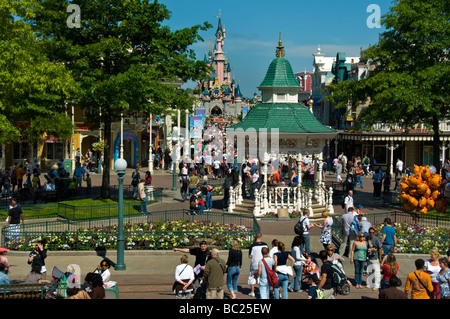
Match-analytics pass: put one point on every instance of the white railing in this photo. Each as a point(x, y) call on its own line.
point(291, 198)
point(270, 199)
point(235, 195)
point(327, 198)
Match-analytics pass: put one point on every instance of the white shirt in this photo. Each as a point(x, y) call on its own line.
point(186, 274)
point(305, 223)
point(348, 201)
point(106, 275)
point(273, 251)
point(399, 165)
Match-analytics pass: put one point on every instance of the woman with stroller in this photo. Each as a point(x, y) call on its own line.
point(336, 259)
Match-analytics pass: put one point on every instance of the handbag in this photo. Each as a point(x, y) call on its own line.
point(176, 287)
point(429, 293)
point(319, 294)
point(272, 276)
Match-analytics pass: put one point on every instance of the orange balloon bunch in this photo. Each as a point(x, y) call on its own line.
point(423, 191)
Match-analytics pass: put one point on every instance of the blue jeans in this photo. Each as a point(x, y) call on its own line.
point(295, 283)
point(208, 200)
point(283, 281)
point(264, 290)
point(359, 180)
point(7, 188)
point(192, 190)
point(383, 284)
point(359, 267)
point(386, 249)
point(144, 203)
point(232, 276)
point(304, 247)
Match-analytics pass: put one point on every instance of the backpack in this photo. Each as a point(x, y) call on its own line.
point(272, 276)
point(354, 227)
point(367, 161)
point(204, 189)
point(337, 274)
point(298, 228)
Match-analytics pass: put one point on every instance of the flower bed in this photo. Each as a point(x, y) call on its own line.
point(415, 238)
point(294, 214)
point(157, 235)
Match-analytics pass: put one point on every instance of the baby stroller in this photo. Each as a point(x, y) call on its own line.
point(339, 280)
point(60, 282)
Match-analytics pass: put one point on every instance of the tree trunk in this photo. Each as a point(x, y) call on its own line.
point(436, 144)
point(105, 190)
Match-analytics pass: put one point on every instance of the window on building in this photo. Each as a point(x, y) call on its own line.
point(21, 150)
point(281, 97)
point(55, 150)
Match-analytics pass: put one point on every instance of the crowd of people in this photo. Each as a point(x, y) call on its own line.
point(28, 181)
point(93, 287)
point(298, 269)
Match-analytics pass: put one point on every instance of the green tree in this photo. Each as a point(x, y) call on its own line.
point(32, 88)
point(123, 57)
point(410, 82)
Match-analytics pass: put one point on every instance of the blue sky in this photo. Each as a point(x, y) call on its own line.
point(253, 27)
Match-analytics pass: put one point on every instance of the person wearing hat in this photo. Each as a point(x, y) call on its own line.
point(3, 259)
point(364, 224)
point(359, 211)
point(214, 276)
point(4, 278)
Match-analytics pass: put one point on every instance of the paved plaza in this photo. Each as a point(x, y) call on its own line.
point(150, 274)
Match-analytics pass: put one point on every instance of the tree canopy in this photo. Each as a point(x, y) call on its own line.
point(122, 56)
point(410, 81)
point(32, 88)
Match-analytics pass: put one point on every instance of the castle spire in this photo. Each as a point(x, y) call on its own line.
point(219, 27)
point(280, 49)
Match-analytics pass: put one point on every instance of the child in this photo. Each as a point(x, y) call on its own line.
point(310, 267)
point(88, 183)
point(312, 292)
point(72, 186)
point(3, 259)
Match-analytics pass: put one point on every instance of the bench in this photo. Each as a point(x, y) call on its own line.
point(42, 291)
point(25, 291)
point(112, 290)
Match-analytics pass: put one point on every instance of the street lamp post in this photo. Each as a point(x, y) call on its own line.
point(391, 148)
point(175, 138)
point(120, 166)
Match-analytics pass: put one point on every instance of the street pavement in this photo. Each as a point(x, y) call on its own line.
point(150, 274)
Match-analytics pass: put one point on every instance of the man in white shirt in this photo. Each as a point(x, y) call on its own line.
point(399, 168)
point(254, 253)
point(348, 201)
